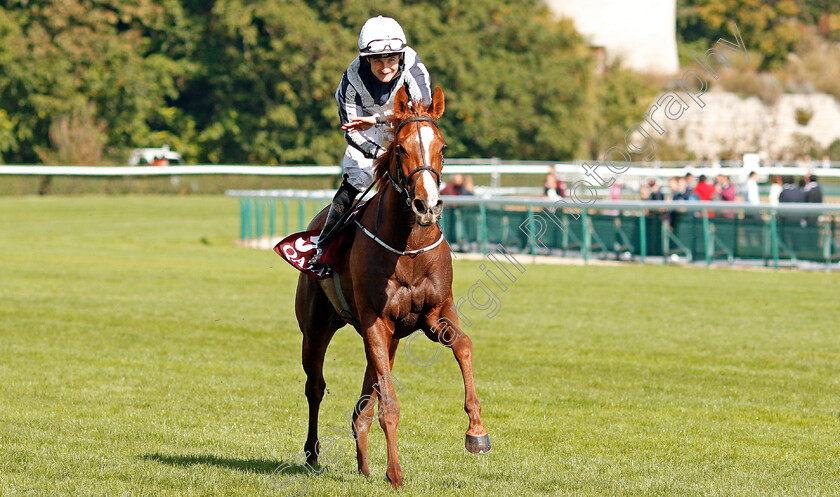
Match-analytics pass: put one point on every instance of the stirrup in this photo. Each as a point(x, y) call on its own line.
point(315, 260)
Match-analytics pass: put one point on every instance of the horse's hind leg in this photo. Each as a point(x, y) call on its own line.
point(314, 349)
point(318, 323)
point(364, 414)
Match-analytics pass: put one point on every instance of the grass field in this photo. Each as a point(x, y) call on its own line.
point(143, 353)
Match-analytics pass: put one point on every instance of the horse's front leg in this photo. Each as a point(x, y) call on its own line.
point(364, 414)
point(444, 327)
point(378, 337)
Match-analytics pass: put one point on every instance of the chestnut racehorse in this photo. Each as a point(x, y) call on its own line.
point(396, 278)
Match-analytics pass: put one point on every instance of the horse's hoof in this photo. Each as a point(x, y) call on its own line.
point(478, 444)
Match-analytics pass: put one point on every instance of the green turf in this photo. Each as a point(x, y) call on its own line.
point(143, 353)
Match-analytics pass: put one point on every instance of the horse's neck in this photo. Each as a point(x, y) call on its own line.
point(398, 223)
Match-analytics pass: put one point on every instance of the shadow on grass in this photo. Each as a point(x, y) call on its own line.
point(245, 465)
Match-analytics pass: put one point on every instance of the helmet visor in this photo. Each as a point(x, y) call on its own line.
point(390, 45)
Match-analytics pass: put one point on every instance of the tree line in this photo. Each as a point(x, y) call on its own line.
point(252, 82)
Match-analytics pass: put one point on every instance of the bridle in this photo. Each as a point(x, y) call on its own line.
point(405, 187)
point(404, 184)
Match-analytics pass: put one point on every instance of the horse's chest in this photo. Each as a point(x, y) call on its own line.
point(409, 301)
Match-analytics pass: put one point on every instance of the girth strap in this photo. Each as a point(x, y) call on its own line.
point(345, 312)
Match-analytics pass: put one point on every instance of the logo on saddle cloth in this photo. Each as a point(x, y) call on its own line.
point(297, 249)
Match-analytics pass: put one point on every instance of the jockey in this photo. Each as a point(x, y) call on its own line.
point(365, 99)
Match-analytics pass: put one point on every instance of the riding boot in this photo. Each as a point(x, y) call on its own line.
point(341, 202)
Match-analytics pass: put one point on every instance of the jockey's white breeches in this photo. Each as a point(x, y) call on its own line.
point(358, 167)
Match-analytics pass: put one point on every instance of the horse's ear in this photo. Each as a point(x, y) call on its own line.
point(401, 101)
point(438, 104)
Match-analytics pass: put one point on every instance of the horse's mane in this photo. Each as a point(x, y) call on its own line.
point(383, 163)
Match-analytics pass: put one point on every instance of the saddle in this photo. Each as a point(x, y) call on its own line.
point(298, 248)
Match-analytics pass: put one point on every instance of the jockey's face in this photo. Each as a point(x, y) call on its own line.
point(385, 68)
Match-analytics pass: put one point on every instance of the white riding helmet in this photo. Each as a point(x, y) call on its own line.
point(381, 35)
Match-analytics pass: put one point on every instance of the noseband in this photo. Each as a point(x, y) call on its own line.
point(404, 184)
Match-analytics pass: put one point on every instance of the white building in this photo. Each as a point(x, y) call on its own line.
point(643, 33)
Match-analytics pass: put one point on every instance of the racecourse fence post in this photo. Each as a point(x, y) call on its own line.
point(483, 226)
point(827, 240)
point(833, 238)
point(774, 239)
point(243, 219)
point(258, 204)
point(532, 245)
point(251, 222)
point(666, 241)
point(564, 237)
point(495, 175)
point(586, 234)
point(708, 240)
point(272, 217)
point(642, 236)
point(459, 228)
point(765, 240)
point(285, 217)
point(301, 214)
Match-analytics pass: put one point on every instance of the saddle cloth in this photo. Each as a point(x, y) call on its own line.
point(298, 248)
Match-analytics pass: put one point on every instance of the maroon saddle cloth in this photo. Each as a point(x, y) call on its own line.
point(298, 248)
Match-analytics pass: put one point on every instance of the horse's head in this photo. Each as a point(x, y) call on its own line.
point(418, 156)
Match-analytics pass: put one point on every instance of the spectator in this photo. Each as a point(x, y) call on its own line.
point(553, 188)
point(644, 192)
point(813, 193)
point(678, 193)
point(688, 191)
point(655, 193)
point(775, 189)
point(826, 162)
point(614, 196)
point(724, 191)
point(704, 190)
point(677, 186)
point(455, 186)
point(724, 188)
point(615, 191)
point(469, 185)
point(791, 192)
point(813, 190)
point(751, 195)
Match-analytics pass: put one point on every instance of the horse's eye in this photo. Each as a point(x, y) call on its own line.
point(400, 149)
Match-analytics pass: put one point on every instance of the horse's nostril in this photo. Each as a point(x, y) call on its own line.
point(420, 206)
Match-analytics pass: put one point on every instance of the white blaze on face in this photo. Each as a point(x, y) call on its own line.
point(427, 136)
